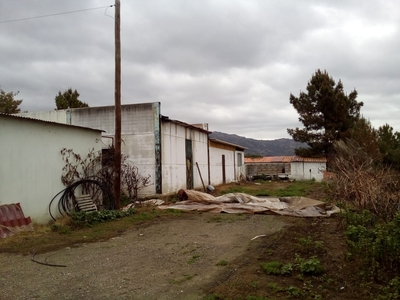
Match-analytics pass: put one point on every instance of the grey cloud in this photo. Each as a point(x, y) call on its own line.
point(231, 64)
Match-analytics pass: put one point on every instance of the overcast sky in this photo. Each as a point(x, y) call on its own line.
point(229, 63)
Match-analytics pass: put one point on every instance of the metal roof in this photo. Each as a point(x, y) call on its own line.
point(227, 143)
point(283, 159)
point(167, 119)
point(2, 115)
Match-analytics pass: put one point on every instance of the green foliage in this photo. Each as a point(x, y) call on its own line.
point(277, 268)
point(305, 242)
point(376, 245)
point(327, 113)
point(82, 218)
point(275, 287)
point(311, 266)
point(222, 263)
point(8, 105)
point(363, 218)
point(296, 188)
point(391, 291)
point(367, 138)
point(287, 269)
point(293, 291)
point(69, 99)
point(272, 267)
point(319, 244)
point(389, 145)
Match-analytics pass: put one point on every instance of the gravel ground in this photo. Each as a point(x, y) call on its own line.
point(172, 259)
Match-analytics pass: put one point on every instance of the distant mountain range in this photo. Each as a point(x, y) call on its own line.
point(277, 147)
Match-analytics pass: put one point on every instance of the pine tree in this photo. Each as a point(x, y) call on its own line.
point(327, 113)
point(69, 99)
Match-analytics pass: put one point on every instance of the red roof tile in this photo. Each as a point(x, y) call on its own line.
point(283, 159)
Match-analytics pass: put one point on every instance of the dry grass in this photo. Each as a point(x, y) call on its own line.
point(362, 182)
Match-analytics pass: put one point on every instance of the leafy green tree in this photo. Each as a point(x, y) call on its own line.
point(69, 99)
point(327, 113)
point(389, 145)
point(8, 104)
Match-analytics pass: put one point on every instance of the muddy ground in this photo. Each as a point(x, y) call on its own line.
point(183, 257)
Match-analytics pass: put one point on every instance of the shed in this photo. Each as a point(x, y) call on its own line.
point(226, 162)
point(31, 163)
point(292, 167)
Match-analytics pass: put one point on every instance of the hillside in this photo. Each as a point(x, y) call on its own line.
point(260, 147)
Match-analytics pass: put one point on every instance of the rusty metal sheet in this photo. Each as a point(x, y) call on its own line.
point(12, 220)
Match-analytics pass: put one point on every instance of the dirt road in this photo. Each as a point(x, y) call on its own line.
point(179, 258)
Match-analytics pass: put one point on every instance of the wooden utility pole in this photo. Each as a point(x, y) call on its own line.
point(117, 175)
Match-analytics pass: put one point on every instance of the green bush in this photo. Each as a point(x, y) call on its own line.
point(82, 218)
point(391, 291)
point(311, 266)
point(377, 247)
point(272, 267)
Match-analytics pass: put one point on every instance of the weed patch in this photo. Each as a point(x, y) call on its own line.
point(222, 263)
point(79, 219)
point(193, 259)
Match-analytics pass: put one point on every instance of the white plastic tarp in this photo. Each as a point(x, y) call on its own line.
point(244, 203)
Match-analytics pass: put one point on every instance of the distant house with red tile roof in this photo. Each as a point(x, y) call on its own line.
point(293, 167)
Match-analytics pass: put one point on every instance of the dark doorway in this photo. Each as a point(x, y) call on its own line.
point(189, 164)
point(223, 169)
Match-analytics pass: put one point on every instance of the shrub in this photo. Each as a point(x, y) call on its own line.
point(82, 218)
point(272, 267)
point(377, 247)
point(311, 266)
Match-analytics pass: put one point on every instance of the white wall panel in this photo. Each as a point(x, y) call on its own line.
point(31, 163)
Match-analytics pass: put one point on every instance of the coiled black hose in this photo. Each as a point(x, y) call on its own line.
point(67, 203)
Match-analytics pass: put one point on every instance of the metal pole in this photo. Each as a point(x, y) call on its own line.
point(117, 175)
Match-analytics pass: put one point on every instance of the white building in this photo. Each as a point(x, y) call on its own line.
point(226, 162)
point(31, 163)
point(175, 154)
point(293, 167)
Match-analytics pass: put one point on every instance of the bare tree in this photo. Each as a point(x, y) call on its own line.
point(133, 181)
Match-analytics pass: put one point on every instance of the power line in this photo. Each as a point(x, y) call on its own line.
point(57, 14)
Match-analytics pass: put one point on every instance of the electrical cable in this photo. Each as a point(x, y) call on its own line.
point(44, 263)
point(67, 202)
point(56, 14)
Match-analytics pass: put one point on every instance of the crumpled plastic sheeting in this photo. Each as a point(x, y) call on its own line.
point(244, 203)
